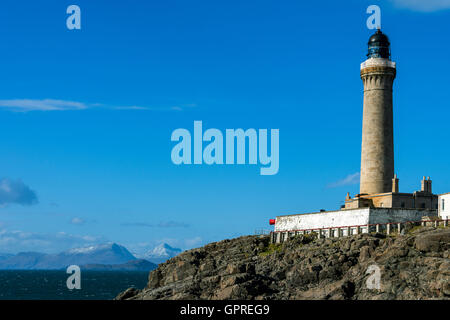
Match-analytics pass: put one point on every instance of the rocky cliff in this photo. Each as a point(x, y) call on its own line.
point(414, 265)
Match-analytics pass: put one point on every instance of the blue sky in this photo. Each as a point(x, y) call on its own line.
point(86, 115)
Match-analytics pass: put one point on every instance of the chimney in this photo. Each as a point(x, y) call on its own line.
point(424, 185)
point(395, 184)
point(429, 185)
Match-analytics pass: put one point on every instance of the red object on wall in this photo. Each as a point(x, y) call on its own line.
point(272, 222)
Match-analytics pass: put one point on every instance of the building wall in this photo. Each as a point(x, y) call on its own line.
point(417, 200)
point(351, 217)
point(383, 201)
point(380, 215)
point(427, 200)
point(403, 201)
point(444, 206)
point(327, 219)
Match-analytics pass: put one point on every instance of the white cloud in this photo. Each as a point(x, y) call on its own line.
point(21, 241)
point(132, 108)
point(172, 108)
point(77, 221)
point(162, 224)
point(347, 181)
point(191, 243)
point(41, 105)
point(423, 5)
point(15, 191)
point(26, 105)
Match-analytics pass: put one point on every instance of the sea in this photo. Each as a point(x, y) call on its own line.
point(51, 284)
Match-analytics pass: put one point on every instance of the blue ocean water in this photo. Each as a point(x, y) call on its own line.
point(51, 284)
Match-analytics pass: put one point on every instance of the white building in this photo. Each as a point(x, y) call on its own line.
point(444, 206)
point(349, 220)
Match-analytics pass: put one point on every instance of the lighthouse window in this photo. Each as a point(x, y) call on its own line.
point(403, 204)
point(443, 204)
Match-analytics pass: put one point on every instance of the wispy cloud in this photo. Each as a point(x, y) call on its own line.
point(351, 179)
point(15, 191)
point(27, 105)
point(194, 242)
point(163, 224)
point(173, 108)
point(172, 224)
point(422, 5)
point(77, 221)
point(17, 241)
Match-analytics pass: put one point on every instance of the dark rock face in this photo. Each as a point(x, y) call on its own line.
point(130, 292)
point(412, 266)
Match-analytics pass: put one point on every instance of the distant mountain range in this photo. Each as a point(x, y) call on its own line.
point(133, 265)
point(4, 256)
point(109, 256)
point(160, 254)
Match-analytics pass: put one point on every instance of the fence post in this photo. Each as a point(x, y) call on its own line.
point(436, 223)
point(349, 231)
point(399, 228)
point(377, 228)
point(388, 228)
point(445, 222)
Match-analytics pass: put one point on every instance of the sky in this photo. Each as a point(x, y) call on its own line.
point(86, 116)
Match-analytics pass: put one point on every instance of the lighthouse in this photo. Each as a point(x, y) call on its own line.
point(377, 151)
point(379, 185)
point(380, 203)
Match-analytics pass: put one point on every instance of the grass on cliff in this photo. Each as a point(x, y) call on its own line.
point(271, 248)
point(300, 240)
point(414, 229)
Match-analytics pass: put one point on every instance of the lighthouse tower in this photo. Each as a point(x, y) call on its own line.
point(377, 152)
point(380, 201)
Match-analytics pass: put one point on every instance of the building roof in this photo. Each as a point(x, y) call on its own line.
point(379, 39)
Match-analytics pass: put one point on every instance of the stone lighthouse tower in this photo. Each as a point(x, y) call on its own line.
point(377, 153)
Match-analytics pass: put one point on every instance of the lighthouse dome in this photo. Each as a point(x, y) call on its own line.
point(379, 46)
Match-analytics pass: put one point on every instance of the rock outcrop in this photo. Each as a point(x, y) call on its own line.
point(415, 265)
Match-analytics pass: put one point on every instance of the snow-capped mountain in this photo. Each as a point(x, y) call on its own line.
point(108, 253)
point(160, 253)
